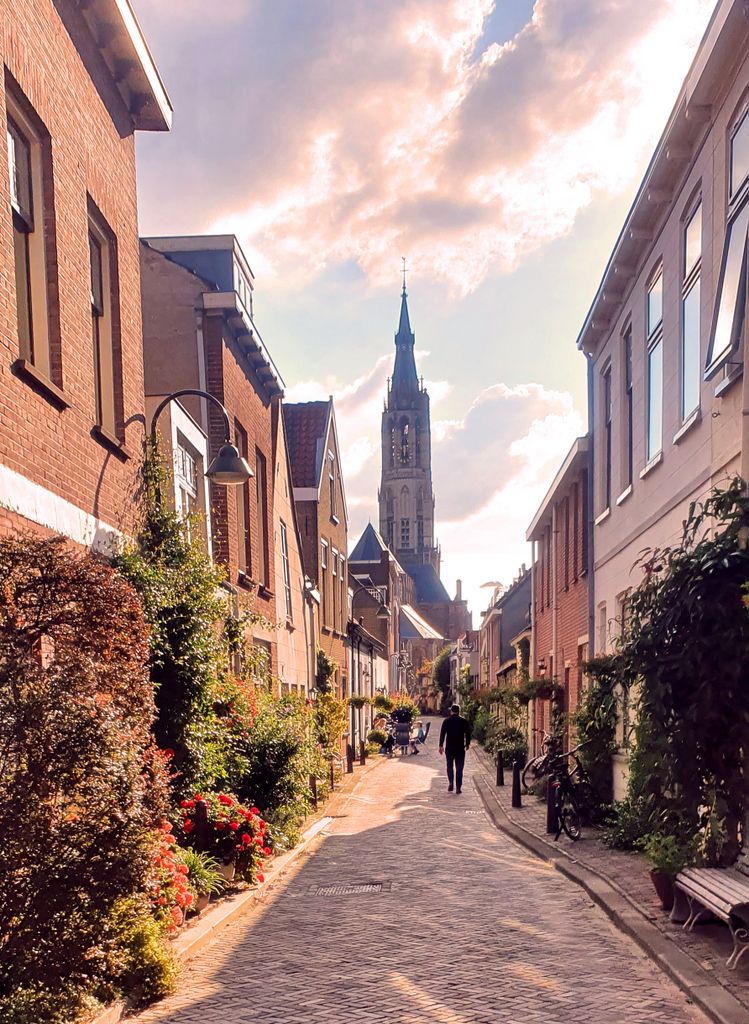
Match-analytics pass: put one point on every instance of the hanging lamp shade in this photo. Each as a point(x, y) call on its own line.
point(229, 467)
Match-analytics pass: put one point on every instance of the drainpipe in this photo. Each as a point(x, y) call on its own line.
point(590, 514)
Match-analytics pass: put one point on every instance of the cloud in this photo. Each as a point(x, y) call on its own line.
point(325, 132)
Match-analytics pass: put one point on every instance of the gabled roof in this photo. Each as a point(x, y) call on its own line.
point(369, 548)
point(306, 426)
point(575, 461)
point(429, 587)
point(414, 627)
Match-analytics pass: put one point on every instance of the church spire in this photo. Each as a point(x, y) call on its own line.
point(405, 378)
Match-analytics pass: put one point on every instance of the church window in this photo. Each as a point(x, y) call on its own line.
point(393, 445)
point(405, 454)
point(405, 533)
point(418, 444)
point(420, 531)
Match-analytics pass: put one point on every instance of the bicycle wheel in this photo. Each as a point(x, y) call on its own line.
point(532, 773)
point(569, 818)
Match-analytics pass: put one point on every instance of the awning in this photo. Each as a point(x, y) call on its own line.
point(413, 627)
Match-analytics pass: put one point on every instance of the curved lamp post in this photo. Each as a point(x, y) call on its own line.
point(228, 467)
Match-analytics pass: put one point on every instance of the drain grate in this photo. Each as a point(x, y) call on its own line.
point(350, 888)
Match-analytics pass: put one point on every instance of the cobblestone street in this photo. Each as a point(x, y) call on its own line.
point(466, 928)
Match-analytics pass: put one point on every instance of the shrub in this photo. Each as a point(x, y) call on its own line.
point(629, 821)
point(377, 736)
point(81, 794)
point(405, 709)
point(330, 721)
point(383, 703)
point(216, 823)
point(595, 721)
point(510, 741)
point(667, 853)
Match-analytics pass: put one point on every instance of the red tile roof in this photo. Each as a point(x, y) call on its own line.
point(305, 434)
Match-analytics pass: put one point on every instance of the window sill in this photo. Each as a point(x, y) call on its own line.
point(263, 591)
point(729, 382)
point(290, 625)
point(650, 466)
point(110, 442)
point(245, 581)
point(624, 495)
point(335, 520)
point(603, 517)
point(691, 421)
point(41, 383)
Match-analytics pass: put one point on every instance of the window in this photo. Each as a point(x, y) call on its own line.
point(242, 493)
point(243, 288)
point(103, 305)
point(739, 157)
point(25, 141)
point(628, 426)
point(575, 529)
point(334, 586)
point(324, 580)
point(404, 445)
point(547, 562)
point(331, 485)
point(343, 604)
point(584, 537)
point(607, 438)
point(730, 297)
point(566, 543)
point(655, 367)
point(286, 570)
point(420, 531)
point(261, 493)
point(690, 314)
point(405, 533)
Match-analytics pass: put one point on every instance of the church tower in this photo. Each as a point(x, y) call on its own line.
point(406, 497)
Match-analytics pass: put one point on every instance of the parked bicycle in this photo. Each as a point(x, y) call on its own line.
point(539, 766)
point(568, 801)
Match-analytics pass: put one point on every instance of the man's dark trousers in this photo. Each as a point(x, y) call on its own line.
point(455, 760)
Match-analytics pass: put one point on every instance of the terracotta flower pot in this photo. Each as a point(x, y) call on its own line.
point(202, 902)
point(664, 886)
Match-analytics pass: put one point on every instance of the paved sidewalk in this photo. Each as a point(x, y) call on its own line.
point(709, 945)
point(466, 928)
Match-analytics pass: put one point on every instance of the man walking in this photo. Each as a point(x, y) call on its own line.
point(455, 739)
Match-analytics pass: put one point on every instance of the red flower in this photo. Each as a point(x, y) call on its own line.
point(259, 842)
point(246, 839)
point(254, 810)
point(188, 826)
point(226, 800)
point(220, 826)
point(183, 869)
point(261, 878)
point(187, 803)
point(234, 825)
point(266, 851)
point(198, 796)
point(169, 752)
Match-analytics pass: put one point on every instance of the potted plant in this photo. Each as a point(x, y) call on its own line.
point(203, 876)
point(358, 700)
point(669, 856)
point(218, 824)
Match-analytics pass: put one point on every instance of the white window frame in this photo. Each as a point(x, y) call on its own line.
point(102, 332)
point(690, 287)
point(654, 343)
point(286, 565)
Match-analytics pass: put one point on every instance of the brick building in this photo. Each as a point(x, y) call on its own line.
point(78, 83)
point(559, 539)
point(323, 523)
point(503, 637)
point(198, 332)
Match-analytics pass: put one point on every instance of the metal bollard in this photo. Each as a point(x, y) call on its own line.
point(500, 769)
point(362, 752)
point(332, 776)
point(552, 818)
point(313, 790)
point(203, 830)
point(349, 758)
point(516, 801)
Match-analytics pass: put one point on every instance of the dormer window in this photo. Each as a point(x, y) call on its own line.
point(243, 287)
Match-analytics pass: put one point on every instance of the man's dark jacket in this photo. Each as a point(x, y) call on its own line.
point(455, 735)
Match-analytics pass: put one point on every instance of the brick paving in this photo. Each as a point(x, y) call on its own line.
point(467, 929)
point(709, 944)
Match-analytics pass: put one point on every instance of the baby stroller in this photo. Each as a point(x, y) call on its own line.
point(403, 736)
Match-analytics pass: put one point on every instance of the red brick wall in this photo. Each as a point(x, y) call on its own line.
point(563, 663)
point(89, 154)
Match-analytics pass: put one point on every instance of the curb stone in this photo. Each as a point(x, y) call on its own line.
point(697, 983)
point(195, 938)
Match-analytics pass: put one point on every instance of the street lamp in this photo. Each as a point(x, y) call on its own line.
point(228, 467)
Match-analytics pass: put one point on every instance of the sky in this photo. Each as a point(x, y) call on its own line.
point(497, 144)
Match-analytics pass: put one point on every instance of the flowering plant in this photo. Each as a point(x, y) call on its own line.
point(170, 893)
point(217, 823)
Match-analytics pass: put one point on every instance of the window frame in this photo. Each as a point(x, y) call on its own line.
point(242, 498)
point(654, 342)
point(607, 413)
point(738, 216)
point(324, 580)
point(261, 503)
point(104, 327)
point(36, 348)
point(691, 280)
point(628, 433)
point(286, 570)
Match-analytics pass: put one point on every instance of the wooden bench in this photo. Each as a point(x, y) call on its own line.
point(721, 893)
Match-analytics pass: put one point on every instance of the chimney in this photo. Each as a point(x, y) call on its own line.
point(459, 590)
